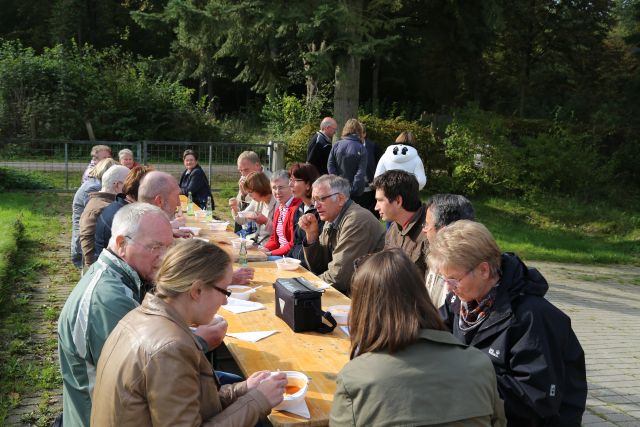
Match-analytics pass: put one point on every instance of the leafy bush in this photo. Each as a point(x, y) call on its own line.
point(297, 143)
point(14, 180)
point(285, 114)
point(53, 94)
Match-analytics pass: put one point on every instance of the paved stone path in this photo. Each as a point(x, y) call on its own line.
point(603, 303)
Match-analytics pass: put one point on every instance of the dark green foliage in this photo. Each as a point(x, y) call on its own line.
point(15, 180)
point(53, 94)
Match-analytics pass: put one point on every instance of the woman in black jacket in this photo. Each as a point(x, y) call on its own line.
point(497, 305)
point(194, 180)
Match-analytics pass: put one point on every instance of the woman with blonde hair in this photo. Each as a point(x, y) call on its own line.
point(153, 371)
point(405, 368)
point(348, 157)
point(258, 216)
point(497, 305)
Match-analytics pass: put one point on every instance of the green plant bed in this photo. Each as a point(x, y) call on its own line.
point(558, 229)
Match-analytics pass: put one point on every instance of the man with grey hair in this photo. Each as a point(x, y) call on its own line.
point(320, 145)
point(248, 162)
point(442, 210)
point(349, 232)
point(112, 182)
point(113, 285)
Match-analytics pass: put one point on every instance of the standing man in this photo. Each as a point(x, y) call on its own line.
point(349, 232)
point(442, 210)
point(398, 201)
point(320, 145)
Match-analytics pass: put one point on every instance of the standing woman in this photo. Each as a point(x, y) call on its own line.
point(303, 176)
point(153, 371)
point(405, 368)
point(348, 157)
point(281, 240)
point(193, 180)
point(261, 208)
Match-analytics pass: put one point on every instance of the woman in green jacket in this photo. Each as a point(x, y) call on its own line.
point(405, 368)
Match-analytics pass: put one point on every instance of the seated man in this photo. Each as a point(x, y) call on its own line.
point(497, 305)
point(349, 232)
point(442, 210)
point(114, 285)
point(398, 201)
point(98, 152)
point(162, 190)
point(248, 162)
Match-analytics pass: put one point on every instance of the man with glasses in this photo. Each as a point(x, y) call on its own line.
point(320, 145)
point(114, 285)
point(349, 232)
point(442, 210)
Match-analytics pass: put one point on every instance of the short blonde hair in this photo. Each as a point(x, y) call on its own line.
point(353, 126)
point(464, 244)
point(406, 137)
point(97, 148)
point(187, 261)
point(102, 166)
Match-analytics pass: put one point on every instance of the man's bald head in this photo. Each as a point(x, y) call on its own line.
point(160, 189)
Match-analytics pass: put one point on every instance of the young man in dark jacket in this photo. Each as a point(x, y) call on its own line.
point(497, 305)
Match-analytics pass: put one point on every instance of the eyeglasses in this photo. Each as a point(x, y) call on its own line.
point(321, 199)
point(279, 188)
point(296, 180)
point(452, 284)
point(222, 291)
point(357, 263)
point(153, 249)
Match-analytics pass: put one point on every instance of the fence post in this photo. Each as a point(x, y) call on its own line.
point(144, 152)
point(139, 151)
point(210, 163)
point(277, 155)
point(66, 165)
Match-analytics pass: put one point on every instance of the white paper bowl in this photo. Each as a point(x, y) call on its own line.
point(340, 313)
point(218, 225)
point(236, 242)
point(297, 379)
point(194, 230)
point(240, 291)
point(200, 214)
point(289, 264)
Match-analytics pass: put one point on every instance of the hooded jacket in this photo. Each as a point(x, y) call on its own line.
point(403, 157)
point(538, 360)
point(348, 159)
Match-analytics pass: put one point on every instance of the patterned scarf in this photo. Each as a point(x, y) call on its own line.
point(472, 314)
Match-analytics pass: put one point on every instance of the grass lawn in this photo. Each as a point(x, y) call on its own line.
point(550, 228)
point(25, 364)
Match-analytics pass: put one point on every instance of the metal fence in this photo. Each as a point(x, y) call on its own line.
point(61, 163)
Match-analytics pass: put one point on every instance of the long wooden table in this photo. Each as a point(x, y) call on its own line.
point(223, 239)
point(319, 356)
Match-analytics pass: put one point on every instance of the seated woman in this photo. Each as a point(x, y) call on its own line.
point(152, 370)
point(281, 240)
point(126, 158)
point(303, 176)
point(193, 180)
point(497, 304)
point(405, 368)
point(261, 209)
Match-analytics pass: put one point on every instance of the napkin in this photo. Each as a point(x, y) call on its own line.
point(251, 336)
point(320, 285)
point(345, 329)
point(237, 306)
point(298, 407)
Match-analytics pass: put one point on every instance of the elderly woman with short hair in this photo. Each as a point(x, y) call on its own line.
point(260, 210)
point(126, 158)
point(152, 370)
point(405, 368)
point(497, 304)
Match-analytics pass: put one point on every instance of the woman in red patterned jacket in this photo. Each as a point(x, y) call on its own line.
point(282, 238)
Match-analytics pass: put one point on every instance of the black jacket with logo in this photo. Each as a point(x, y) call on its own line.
point(538, 360)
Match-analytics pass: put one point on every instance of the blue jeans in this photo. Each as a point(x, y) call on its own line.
point(228, 378)
point(274, 257)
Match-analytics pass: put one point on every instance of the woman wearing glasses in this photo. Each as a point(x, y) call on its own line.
point(497, 304)
point(405, 368)
point(281, 240)
point(152, 370)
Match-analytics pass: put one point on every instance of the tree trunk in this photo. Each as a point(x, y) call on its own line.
point(346, 95)
point(375, 79)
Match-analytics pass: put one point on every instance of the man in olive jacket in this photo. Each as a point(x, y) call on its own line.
point(349, 232)
point(398, 201)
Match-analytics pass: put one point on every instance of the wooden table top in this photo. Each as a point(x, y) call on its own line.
point(223, 239)
point(319, 356)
